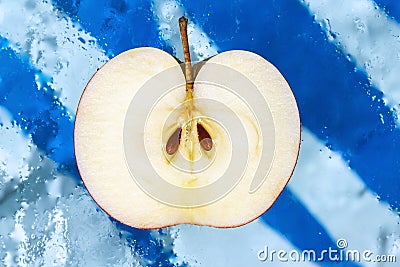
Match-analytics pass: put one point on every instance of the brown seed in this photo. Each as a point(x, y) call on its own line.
point(173, 142)
point(204, 138)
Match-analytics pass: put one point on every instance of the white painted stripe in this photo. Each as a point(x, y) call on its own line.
point(168, 12)
point(54, 44)
point(56, 248)
point(340, 201)
point(19, 235)
point(15, 154)
point(369, 36)
point(90, 237)
point(205, 246)
point(12, 162)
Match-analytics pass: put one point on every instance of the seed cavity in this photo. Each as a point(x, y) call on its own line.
point(204, 138)
point(173, 142)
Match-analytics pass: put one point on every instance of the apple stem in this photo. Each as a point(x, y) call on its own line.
point(183, 22)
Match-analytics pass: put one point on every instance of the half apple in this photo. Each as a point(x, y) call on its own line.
point(156, 149)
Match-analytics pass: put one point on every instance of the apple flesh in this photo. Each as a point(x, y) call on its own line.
point(101, 151)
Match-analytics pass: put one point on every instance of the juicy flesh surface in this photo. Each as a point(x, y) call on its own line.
point(99, 144)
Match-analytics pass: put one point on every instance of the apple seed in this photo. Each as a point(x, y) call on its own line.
point(204, 138)
point(173, 142)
